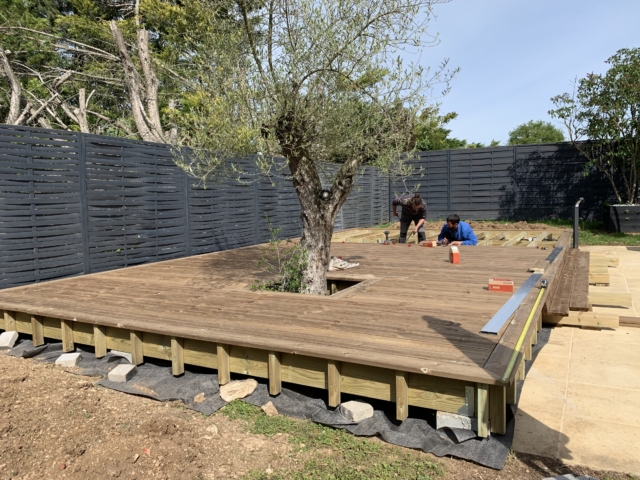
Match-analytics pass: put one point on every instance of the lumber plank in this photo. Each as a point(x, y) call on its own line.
point(100, 340)
point(607, 299)
point(275, 375)
point(177, 356)
point(482, 409)
point(511, 392)
point(334, 383)
point(37, 330)
point(402, 395)
point(135, 338)
point(498, 409)
point(66, 327)
point(562, 296)
point(580, 292)
point(10, 321)
point(629, 321)
point(585, 319)
point(224, 368)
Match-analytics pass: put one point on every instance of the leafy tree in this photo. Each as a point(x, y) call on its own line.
point(535, 132)
point(324, 83)
point(605, 110)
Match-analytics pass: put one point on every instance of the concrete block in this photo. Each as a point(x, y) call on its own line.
point(356, 411)
point(8, 339)
point(452, 420)
point(123, 373)
point(69, 359)
point(123, 354)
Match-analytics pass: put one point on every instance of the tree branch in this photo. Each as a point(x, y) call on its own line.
point(16, 89)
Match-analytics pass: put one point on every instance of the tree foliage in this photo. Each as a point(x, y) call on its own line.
point(605, 110)
point(535, 132)
point(324, 83)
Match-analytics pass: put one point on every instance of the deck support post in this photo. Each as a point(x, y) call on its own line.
point(177, 356)
point(224, 367)
point(521, 373)
point(66, 331)
point(512, 392)
point(402, 395)
point(275, 377)
point(333, 382)
point(37, 330)
point(100, 340)
point(528, 351)
point(498, 409)
point(10, 321)
point(482, 410)
point(137, 357)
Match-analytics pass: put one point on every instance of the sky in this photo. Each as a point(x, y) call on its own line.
point(514, 55)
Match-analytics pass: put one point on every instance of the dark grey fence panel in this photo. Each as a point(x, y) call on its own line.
point(135, 201)
point(40, 211)
point(524, 182)
point(72, 203)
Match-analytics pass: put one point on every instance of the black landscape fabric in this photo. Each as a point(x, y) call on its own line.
point(154, 380)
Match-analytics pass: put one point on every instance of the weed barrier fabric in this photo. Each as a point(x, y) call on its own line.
point(154, 380)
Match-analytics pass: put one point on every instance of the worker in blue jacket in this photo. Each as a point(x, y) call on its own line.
point(455, 232)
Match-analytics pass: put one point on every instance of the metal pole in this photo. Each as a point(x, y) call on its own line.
point(576, 218)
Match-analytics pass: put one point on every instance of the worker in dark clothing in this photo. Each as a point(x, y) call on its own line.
point(455, 232)
point(414, 209)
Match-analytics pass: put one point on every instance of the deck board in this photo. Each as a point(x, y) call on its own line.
point(422, 315)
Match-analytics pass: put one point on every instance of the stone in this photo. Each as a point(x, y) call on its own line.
point(452, 420)
point(199, 398)
point(8, 339)
point(69, 360)
point(269, 409)
point(238, 389)
point(123, 373)
point(212, 429)
point(122, 354)
point(356, 411)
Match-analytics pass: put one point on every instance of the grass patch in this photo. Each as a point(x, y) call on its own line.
point(351, 458)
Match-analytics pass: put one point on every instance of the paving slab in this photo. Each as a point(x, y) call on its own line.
point(579, 401)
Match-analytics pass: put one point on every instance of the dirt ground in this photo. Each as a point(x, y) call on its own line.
point(54, 424)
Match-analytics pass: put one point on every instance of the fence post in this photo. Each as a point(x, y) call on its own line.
point(84, 207)
point(187, 219)
point(449, 181)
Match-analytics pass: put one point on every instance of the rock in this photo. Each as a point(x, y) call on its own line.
point(199, 398)
point(123, 373)
point(452, 420)
point(356, 411)
point(212, 429)
point(122, 354)
point(269, 409)
point(8, 339)
point(69, 359)
point(238, 389)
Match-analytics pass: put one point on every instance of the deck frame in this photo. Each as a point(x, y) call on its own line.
point(488, 399)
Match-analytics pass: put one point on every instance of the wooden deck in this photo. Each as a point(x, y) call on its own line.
point(409, 333)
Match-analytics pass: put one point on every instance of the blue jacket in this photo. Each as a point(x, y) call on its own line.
point(464, 233)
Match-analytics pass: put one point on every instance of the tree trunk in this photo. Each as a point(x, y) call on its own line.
point(316, 240)
point(16, 89)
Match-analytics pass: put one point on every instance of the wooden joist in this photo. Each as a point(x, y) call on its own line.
point(630, 322)
point(584, 319)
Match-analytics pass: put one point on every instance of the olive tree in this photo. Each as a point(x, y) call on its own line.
point(322, 81)
point(605, 111)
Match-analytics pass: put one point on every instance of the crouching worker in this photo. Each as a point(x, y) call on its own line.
point(413, 209)
point(455, 232)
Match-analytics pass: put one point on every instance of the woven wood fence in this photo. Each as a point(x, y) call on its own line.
point(72, 203)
